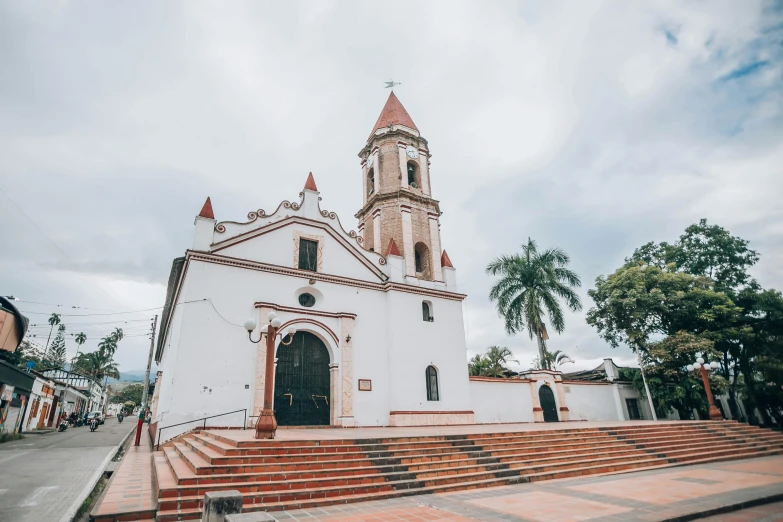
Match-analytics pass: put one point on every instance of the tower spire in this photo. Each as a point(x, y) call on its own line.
point(393, 113)
point(206, 210)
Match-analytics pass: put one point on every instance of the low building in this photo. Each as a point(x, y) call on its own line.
point(15, 389)
point(93, 391)
point(40, 414)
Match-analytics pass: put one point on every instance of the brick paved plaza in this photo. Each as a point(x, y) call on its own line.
point(642, 496)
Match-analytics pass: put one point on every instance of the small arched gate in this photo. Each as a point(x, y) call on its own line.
point(302, 382)
point(547, 399)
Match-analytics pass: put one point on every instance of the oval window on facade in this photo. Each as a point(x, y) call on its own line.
point(306, 300)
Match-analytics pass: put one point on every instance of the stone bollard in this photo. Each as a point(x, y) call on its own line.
point(218, 504)
point(253, 516)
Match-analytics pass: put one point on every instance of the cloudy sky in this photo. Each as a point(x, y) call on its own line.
point(592, 126)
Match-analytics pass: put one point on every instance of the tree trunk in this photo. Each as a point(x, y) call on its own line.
point(752, 403)
point(732, 386)
point(542, 352)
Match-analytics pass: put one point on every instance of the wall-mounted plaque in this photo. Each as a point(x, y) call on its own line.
point(365, 385)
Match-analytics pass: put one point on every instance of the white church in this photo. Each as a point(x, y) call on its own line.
point(378, 315)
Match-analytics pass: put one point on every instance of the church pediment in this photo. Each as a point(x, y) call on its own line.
point(276, 238)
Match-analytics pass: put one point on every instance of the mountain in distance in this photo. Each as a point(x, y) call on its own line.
point(134, 376)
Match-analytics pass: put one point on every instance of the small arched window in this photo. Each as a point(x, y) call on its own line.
point(426, 311)
point(419, 267)
point(432, 383)
point(421, 256)
point(370, 182)
point(413, 178)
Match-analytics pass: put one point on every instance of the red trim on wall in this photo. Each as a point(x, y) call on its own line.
point(465, 412)
point(536, 408)
point(306, 311)
point(479, 378)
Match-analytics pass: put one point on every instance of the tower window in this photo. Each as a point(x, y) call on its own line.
point(432, 383)
point(421, 256)
point(426, 312)
point(370, 182)
point(413, 178)
point(308, 255)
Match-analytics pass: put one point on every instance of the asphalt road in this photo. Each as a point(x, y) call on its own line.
point(42, 475)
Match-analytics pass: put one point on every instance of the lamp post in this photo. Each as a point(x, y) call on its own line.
point(267, 424)
point(644, 379)
point(702, 367)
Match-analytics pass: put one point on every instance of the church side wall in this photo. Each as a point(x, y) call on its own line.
point(498, 401)
point(416, 344)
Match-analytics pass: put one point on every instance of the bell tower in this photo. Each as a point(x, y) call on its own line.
point(398, 202)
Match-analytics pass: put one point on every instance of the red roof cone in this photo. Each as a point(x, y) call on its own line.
point(206, 210)
point(393, 113)
point(445, 261)
point(310, 183)
point(392, 249)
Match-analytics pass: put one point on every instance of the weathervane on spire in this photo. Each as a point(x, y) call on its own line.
point(391, 83)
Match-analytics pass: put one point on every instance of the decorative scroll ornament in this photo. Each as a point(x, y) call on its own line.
point(251, 216)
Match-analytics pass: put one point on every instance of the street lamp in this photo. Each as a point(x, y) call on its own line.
point(267, 424)
point(702, 368)
point(644, 379)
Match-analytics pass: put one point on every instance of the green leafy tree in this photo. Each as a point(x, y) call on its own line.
point(711, 251)
point(637, 304)
point(532, 285)
point(54, 320)
point(55, 357)
point(131, 393)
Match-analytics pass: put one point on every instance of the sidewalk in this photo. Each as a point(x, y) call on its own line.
point(670, 494)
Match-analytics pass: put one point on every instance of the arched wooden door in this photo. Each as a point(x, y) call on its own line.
point(547, 399)
point(302, 382)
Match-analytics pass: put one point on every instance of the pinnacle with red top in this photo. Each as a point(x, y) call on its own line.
point(206, 210)
point(310, 183)
point(393, 113)
point(445, 261)
point(392, 249)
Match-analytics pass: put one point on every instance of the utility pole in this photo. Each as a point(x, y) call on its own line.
point(144, 393)
point(149, 364)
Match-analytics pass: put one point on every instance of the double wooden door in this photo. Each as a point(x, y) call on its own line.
point(302, 382)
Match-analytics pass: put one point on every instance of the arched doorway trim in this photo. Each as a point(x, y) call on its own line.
point(320, 330)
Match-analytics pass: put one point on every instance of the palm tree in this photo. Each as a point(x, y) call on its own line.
point(556, 358)
point(492, 363)
point(98, 365)
point(530, 286)
point(53, 320)
point(80, 339)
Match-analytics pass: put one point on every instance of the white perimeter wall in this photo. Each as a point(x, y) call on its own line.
point(591, 402)
point(499, 401)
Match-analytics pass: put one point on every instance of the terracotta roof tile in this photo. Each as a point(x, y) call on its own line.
point(445, 261)
point(310, 183)
point(206, 210)
point(392, 249)
point(393, 113)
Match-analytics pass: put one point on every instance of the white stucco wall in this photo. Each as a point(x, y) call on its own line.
point(591, 402)
point(501, 401)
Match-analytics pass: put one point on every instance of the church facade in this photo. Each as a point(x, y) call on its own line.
point(378, 316)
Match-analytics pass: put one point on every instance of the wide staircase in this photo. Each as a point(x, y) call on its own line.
point(281, 474)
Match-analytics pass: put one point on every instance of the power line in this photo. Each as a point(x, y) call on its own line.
point(47, 325)
point(90, 315)
point(65, 306)
point(53, 242)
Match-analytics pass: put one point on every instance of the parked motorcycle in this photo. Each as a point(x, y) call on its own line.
point(79, 422)
point(63, 425)
point(93, 424)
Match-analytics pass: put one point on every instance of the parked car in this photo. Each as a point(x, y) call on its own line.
point(97, 414)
